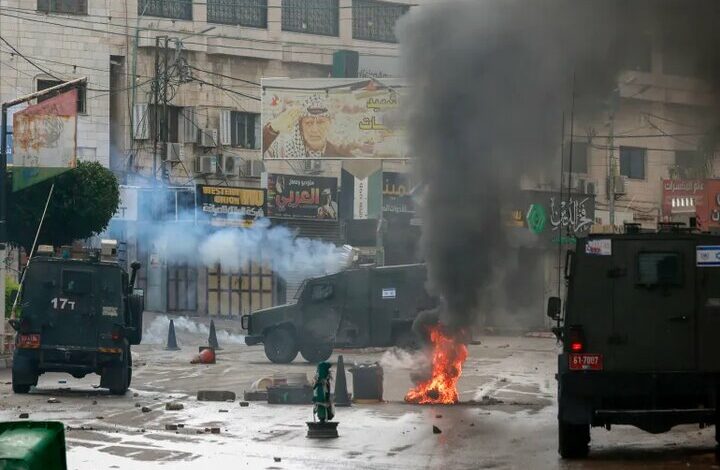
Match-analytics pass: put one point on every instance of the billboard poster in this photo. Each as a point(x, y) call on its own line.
point(44, 139)
point(331, 118)
point(227, 206)
point(396, 191)
point(302, 197)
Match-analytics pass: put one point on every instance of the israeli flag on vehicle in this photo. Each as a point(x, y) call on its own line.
point(708, 255)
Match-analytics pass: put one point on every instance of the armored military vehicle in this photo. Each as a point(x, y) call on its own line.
point(356, 308)
point(78, 316)
point(639, 334)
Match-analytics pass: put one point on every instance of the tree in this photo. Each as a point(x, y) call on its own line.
point(83, 202)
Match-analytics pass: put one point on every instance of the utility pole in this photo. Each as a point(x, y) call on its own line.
point(611, 158)
point(156, 106)
point(611, 169)
point(165, 123)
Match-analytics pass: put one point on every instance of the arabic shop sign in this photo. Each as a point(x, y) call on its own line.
point(571, 215)
point(302, 197)
point(396, 193)
point(552, 218)
point(227, 206)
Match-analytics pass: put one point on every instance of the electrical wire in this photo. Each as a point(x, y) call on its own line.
point(219, 87)
point(222, 75)
point(28, 60)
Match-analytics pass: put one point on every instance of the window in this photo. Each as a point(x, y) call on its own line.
point(375, 21)
point(632, 162)
point(76, 282)
point(82, 93)
point(579, 157)
point(177, 9)
point(75, 7)
point(321, 292)
point(311, 16)
point(251, 13)
point(171, 132)
point(245, 130)
point(659, 269)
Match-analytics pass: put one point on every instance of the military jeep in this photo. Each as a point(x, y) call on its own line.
point(639, 334)
point(79, 316)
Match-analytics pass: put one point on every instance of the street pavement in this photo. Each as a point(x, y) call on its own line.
point(506, 418)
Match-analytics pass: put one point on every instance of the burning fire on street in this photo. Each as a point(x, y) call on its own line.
point(448, 356)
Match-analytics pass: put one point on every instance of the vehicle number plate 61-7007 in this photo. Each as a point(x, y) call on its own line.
point(579, 361)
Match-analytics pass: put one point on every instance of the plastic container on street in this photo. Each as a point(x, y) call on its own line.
point(367, 383)
point(32, 445)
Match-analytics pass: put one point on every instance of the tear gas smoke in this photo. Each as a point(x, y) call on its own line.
point(491, 80)
point(235, 248)
point(156, 332)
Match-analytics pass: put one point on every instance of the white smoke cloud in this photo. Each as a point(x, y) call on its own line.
point(157, 331)
point(235, 248)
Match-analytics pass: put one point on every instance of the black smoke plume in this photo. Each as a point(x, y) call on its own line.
point(491, 80)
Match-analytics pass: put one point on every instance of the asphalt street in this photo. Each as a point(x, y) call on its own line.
point(506, 418)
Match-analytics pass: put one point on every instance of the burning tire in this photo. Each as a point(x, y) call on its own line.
point(573, 440)
point(280, 346)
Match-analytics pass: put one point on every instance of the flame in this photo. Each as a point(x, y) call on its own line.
point(448, 356)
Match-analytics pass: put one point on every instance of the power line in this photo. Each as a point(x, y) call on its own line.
point(224, 76)
point(226, 89)
point(28, 60)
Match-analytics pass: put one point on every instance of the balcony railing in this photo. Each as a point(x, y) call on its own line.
point(252, 13)
point(311, 16)
point(176, 9)
point(375, 21)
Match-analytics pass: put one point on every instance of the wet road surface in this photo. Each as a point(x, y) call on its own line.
point(510, 422)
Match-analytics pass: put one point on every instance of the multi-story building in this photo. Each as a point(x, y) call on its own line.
point(173, 95)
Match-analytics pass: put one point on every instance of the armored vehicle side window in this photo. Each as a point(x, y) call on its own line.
point(76, 282)
point(322, 291)
point(660, 269)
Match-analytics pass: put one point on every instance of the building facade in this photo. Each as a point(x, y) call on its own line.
point(173, 100)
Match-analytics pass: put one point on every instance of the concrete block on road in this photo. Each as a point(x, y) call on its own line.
point(215, 395)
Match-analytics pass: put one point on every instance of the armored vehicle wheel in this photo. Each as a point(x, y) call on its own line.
point(21, 382)
point(280, 346)
point(573, 440)
point(20, 388)
point(315, 352)
point(116, 377)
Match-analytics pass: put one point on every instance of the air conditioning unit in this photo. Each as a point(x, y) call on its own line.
point(584, 186)
point(254, 168)
point(208, 137)
point(231, 165)
point(206, 164)
point(590, 188)
point(175, 152)
point(573, 182)
point(619, 185)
